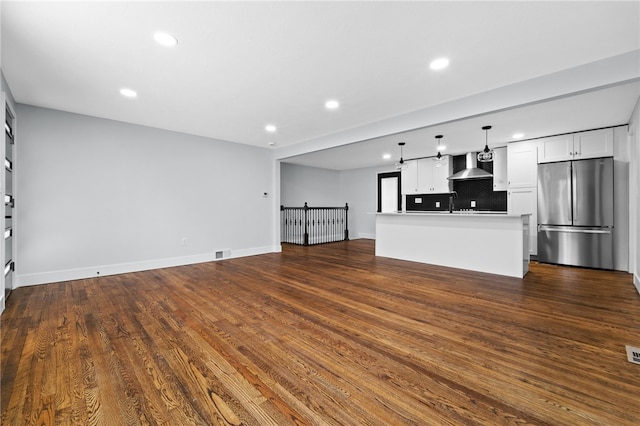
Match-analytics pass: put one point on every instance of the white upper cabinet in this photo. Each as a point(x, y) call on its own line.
point(409, 177)
point(577, 146)
point(432, 175)
point(593, 144)
point(441, 182)
point(500, 169)
point(425, 176)
point(556, 148)
point(522, 164)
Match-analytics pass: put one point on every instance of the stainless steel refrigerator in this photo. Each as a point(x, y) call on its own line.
point(575, 213)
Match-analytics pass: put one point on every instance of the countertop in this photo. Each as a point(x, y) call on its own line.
point(475, 213)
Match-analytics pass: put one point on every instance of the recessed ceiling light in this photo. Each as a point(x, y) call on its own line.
point(332, 104)
point(128, 93)
point(518, 135)
point(270, 128)
point(386, 156)
point(272, 144)
point(438, 64)
point(165, 39)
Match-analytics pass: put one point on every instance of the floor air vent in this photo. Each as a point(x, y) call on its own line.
point(633, 354)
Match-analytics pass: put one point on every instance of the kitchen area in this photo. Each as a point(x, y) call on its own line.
point(559, 199)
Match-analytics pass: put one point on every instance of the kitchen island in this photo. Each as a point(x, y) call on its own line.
point(496, 243)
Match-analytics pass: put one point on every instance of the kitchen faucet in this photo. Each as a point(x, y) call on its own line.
point(451, 195)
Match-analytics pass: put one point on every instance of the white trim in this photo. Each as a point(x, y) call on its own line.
point(634, 195)
point(367, 236)
point(22, 280)
point(254, 251)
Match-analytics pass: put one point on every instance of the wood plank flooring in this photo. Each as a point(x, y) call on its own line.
point(323, 335)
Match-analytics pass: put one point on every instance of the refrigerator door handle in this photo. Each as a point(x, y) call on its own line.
point(574, 193)
point(544, 228)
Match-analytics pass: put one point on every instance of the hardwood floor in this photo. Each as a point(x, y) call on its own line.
point(324, 335)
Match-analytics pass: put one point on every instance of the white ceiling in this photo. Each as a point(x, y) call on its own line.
point(241, 65)
point(600, 108)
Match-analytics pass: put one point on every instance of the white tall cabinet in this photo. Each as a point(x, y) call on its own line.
point(522, 185)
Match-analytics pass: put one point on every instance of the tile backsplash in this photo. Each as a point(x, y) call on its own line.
point(478, 190)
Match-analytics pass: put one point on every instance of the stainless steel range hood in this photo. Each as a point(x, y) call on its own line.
point(472, 171)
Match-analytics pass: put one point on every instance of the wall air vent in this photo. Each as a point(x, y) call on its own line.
point(222, 254)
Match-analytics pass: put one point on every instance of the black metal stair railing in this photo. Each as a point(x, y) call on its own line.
point(314, 225)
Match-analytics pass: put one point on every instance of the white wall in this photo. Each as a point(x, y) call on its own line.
point(101, 196)
point(359, 188)
point(331, 188)
point(315, 186)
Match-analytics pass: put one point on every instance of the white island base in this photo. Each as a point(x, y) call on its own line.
point(493, 243)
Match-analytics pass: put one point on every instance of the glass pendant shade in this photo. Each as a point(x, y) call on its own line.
point(486, 155)
point(400, 165)
point(439, 159)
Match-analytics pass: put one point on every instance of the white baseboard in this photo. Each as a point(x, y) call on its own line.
point(636, 282)
point(254, 251)
point(22, 280)
point(367, 236)
point(299, 239)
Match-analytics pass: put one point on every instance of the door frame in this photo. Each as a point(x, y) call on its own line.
point(386, 176)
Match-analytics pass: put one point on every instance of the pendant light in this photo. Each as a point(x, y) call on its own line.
point(400, 165)
point(439, 159)
point(486, 155)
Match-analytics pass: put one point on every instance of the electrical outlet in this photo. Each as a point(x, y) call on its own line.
point(633, 354)
point(184, 241)
point(437, 203)
point(473, 203)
